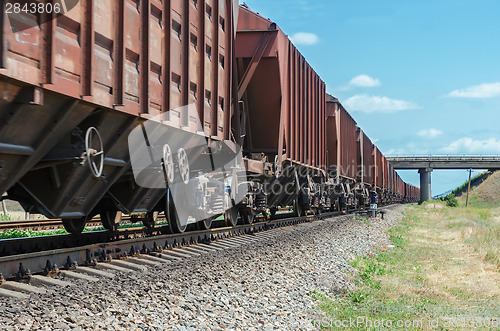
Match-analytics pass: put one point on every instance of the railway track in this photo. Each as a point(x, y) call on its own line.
point(40, 254)
point(129, 250)
point(34, 244)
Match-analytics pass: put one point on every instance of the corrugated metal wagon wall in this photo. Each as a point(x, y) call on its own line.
point(386, 173)
point(333, 143)
point(110, 65)
point(126, 54)
point(368, 161)
point(342, 144)
point(284, 97)
point(379, 168)
point(348, 164)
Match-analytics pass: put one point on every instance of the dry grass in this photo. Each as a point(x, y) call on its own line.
point(439, 270)
point(479, 224)
point(461, 257)
point(457, 262)
point(478, 228)
point(487, 194)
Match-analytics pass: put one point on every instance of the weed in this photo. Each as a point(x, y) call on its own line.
point(396, 239)
point(5, 217)
point(362, 219)
point(451, 200)
point(14, 233)
point(484, 214)
point(358, 296)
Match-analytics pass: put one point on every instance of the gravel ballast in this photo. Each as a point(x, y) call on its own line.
point(263, 286)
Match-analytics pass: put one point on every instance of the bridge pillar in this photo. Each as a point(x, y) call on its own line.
point(425, 184)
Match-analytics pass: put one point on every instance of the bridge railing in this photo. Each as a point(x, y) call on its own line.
point(443, 157)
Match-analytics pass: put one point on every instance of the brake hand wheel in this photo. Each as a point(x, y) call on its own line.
point(183, 161)
point(168, 163)
point(94, 151)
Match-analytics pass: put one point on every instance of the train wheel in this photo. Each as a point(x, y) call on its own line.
point(205, 224)
point(74, 225)
point(231, 216)
point(247, 217)
point(150, 220)
point(297, 208)
point(174, 223)
point(110, 221)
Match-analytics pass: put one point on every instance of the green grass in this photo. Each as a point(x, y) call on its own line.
point(479, 202)
point(369, 298)
point(425, 279)
point(14, 233)
point(5, 217)
point(451, 200)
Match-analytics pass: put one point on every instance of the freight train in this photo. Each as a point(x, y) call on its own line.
point(76, 85)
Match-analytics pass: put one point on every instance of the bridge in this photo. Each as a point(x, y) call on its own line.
point(426, 163)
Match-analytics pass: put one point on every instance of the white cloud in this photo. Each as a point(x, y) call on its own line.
point(377, 104)
point(364, 81)
point(429, 133)
point(490, 90)
point(469, 145)
point(304, 38)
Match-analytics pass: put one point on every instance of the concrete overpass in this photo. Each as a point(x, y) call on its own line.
point(426, 163)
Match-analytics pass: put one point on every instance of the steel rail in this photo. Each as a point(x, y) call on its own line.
point(20, 255)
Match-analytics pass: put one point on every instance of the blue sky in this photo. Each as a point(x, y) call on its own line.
point(419, 77)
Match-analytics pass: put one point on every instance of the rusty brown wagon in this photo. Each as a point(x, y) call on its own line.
point(76, 85)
